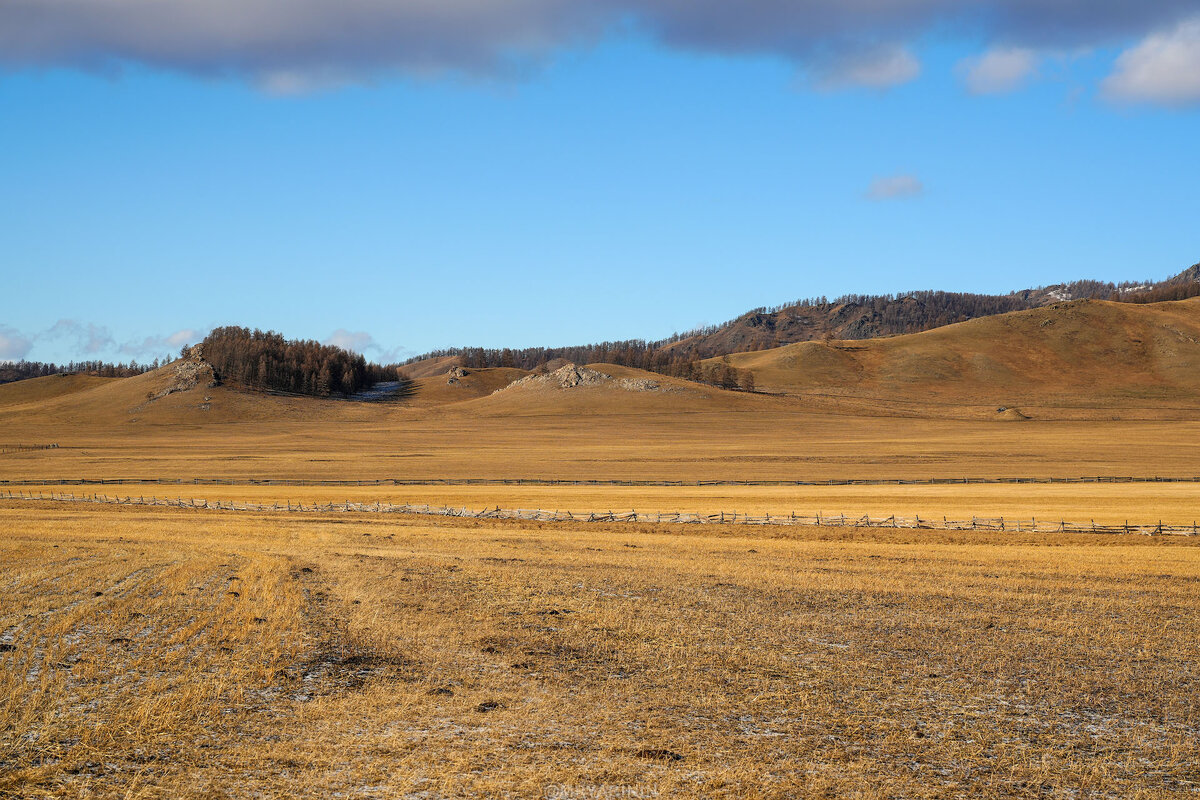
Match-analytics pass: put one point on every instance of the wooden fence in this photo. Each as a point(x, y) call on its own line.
point(24, 448)
point(585, 482)
point(997, 524)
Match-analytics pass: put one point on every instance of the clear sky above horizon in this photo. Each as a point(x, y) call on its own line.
point(559, 175)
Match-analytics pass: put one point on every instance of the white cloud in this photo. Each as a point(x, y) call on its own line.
point(13, 346)
point(999, 70)
point(1162, 68)
point(894, 187)
point(877, 68)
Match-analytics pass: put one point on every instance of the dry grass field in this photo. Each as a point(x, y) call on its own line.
point(770, 443)
point(166, 653)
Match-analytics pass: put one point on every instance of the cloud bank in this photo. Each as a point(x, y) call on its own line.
point(87, 341)
point(291, 45)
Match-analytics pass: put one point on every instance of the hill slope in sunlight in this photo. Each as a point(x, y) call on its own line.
point(1083, 352)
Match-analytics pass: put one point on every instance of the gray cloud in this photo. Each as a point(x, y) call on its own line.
point(13, 346)
point(294, 45)
point(894, 187)
point(1162, 68)
point(877, 68)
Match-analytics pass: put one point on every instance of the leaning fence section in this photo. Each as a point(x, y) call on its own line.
point(995, 524)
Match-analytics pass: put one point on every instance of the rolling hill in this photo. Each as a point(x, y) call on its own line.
point(1079, 359)
point(40, 390)
point(1087, 353)
point(853, 317)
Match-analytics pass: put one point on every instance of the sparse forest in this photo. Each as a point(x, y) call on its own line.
point(1160, 294)
point(855, 316)
point(21, 370)
point(267, 361)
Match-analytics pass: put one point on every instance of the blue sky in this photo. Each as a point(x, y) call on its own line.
point(612, 185)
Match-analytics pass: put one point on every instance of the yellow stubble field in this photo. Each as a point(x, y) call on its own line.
point(171, 653)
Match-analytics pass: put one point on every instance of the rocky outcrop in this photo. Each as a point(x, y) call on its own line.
point(190, 371)
point(572, 376)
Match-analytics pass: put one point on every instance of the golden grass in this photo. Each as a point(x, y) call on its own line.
point(766, 444)
point(1095, 353)
point(400, 657)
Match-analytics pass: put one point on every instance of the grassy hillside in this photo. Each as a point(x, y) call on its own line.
point(1079, 353)
point(40, 390)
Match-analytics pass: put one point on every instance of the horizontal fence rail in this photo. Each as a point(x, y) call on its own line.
point(996, 524)
point(24, 448)
point(584, 482)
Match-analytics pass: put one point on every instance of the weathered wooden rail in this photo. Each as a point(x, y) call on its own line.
point(996, 524)
point(24, 448)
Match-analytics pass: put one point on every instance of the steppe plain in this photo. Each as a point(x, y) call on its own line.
point(159, 652)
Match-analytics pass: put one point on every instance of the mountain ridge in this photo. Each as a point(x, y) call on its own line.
point(851, 317)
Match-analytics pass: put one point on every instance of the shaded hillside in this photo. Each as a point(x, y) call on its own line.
point(457, 384)
point(1082, 352)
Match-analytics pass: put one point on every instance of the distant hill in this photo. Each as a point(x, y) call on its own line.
point(852, 317)
point(1093, 359)
point(1084, 352)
